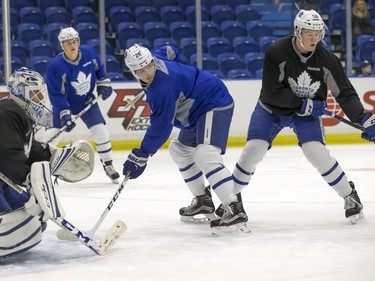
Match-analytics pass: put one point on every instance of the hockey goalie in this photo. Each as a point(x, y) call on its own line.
point(31, 165)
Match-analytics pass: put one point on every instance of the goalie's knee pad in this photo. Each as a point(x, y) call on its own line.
point(19, 232)
point(43, 190)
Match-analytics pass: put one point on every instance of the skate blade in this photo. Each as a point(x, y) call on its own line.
point(356, 218)
point(198, 220)
point(238, 228)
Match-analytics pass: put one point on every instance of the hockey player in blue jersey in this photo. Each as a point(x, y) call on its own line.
point(199, 104)
point(296, 72)
point(71, 78)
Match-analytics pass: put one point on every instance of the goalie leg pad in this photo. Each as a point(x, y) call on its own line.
point(43, 190)
point(73, 162)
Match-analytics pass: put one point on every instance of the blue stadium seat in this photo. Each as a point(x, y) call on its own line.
point(70, 4)
point(14, 20)
point(32, 15)
point(41, 47)
point(188, 46)
point(127, 30)
point(231, 29)
point(218, 45)
point(365, 47)
point(210, 3)
point(159, 42)
point(95, 43)
point(15, 61)
point(186, 3)
point(44, 4)
point(257, 29)
point(145, 14)
point(170, 14)
point(323, 6)
point(254, 61)
point(259, 73)
point(265, 41)
point(210, 29)
point(155, 29)
point(114, 3)
point(18, 4)
point(112, 64)
point(244, 45)
point(29, 31)
point(87, 30)
point(19, 50)
point(158, 4)
point(119, 14)
point(180, 29)
point(229, 61)
point(208, 62)
point(264, 8)
point(132, 4)
point(239, 74)
point(217, 73)
point(245, 14)
point(40, 64)
point(235, 3)
point(83, 14)
point(141, 41)
point(337, 17)
point(57, 14)
point(221, 13)
point(190, 14)
point(52, 30)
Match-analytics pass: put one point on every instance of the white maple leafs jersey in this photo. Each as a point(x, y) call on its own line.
point(71, 83)
point(289, 77)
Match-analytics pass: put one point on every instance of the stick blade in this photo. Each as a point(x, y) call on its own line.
point(63, 234)
point(113, 234)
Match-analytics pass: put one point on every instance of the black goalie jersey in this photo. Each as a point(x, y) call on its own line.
point(18, 150)
point(289, 77)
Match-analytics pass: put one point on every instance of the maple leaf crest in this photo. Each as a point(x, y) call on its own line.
point(82, 86)
point(304, 88)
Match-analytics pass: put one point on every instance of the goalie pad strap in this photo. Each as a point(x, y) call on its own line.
point(43, 190)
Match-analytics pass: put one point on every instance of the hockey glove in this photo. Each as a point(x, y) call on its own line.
point(368, 123)
point(136, 163)
point(103, 86)
point(66, 120)
point(312, 107)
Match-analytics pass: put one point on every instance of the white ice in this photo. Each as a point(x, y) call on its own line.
point(299, 231)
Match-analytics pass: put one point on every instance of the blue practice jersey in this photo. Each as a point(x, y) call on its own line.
point(70, 83)
point(178, 96)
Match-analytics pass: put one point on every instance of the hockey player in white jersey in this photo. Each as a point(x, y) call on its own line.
point(199, 104)
point(72, 77)
point(296, 72)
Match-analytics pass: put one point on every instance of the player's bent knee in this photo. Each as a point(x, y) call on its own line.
point(316, 153)
point(207, 157)
point(180, 153)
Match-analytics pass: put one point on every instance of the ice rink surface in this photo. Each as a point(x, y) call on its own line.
point(299, 231)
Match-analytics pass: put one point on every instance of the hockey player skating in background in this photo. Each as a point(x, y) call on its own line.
point(25, 162)
point(200, 105)
point(296, 72)
point(71, 79)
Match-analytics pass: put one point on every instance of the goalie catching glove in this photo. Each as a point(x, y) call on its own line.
point(368, 123)
point(104, 88)
point(312, 107)
point(136, 163)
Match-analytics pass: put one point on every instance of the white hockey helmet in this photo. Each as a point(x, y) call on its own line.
point(67, 33)
point(137, 57)
point(308, 19)
point(28, 89)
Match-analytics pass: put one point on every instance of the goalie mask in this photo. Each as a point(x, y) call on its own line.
point(136, 58)
point(28, 89)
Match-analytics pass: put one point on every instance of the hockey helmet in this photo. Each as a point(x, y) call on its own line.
point(137, 57)
point(28, 89)
point(308, 19)
point(67, 33)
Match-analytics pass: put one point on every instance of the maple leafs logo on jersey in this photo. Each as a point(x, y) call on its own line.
point(304, 88)
point(82, 85)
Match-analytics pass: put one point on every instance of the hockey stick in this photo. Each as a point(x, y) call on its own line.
point(75, 117)
point(338, 117)
point(100, 248)
point(63, 235)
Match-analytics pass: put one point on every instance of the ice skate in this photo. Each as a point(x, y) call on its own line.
point(234, 220)
point(110, 171)
point(220, 210)
point(353, 206)
point(201, 210)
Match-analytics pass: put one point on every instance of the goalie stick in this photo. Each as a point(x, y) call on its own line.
point(100, 248)
point(66, 235)
point(75, 117)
